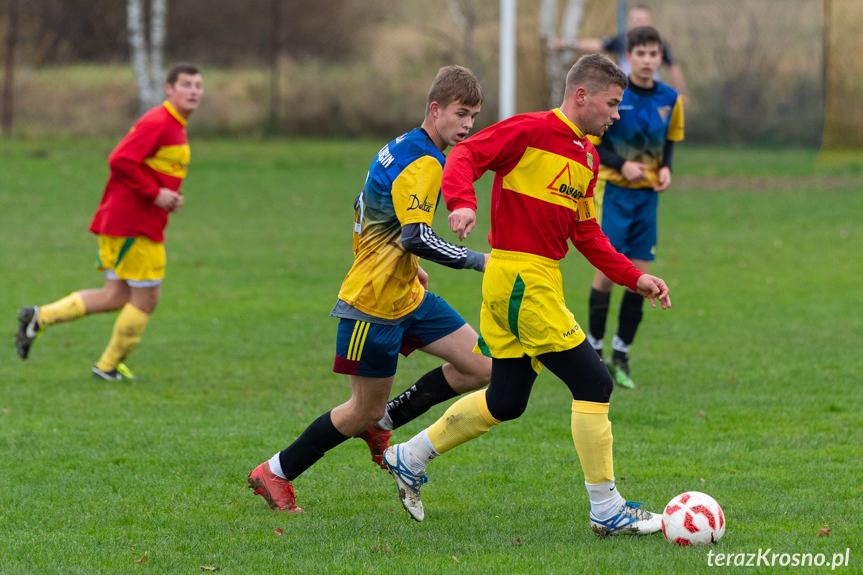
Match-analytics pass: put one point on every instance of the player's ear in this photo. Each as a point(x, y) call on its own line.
point(580, 95)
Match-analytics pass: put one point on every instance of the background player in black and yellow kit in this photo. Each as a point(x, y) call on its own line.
point(635, 156)
point(383, 306)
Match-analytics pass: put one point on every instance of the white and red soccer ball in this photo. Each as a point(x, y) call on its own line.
point(693, 518)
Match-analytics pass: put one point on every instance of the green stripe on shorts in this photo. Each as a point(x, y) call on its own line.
point(483, 347)
point(515, 304)
point(126, 245)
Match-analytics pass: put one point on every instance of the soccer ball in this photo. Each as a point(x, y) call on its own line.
point(693, 518)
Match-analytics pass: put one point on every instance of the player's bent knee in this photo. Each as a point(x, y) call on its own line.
point(505, 407)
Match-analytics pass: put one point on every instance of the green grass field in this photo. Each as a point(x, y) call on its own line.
point(749, 388)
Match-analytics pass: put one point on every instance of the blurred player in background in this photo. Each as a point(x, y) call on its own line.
point(635, 155)
point(384, 307)
point(542, 198)
point(147, 169)
point(638, 15)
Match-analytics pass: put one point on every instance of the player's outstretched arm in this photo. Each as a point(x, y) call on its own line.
point(420, 240)
point(462, 221)
point(653, 288)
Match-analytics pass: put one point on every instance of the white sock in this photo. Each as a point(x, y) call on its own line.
point(386, 422)
point(594, 343)
point(418, 452)
point(276, 466)
point(604, 499)
point(617, 344)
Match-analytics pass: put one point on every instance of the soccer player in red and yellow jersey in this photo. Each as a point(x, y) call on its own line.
point(542, 198)
point(147, 168)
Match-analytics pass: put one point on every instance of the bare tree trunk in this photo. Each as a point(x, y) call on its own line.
point(147, 57)
point(8, 76)
point(158, 13)
point(138, 52)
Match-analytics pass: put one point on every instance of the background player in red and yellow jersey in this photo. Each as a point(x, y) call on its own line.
point(635, 157)
point(147, 168)
point(384, 306)
point(542, 198)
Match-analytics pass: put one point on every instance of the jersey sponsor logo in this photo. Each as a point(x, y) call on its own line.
point(565, 188)
point(664, 112)
point(415, 204)
point(557, 179)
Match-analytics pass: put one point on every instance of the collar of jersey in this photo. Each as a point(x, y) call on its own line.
point(175, 113)
point(566, 121)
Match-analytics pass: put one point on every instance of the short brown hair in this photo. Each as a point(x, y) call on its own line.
point(641, 36)
point(180, 68)
point(595, 72)
point(454, 84)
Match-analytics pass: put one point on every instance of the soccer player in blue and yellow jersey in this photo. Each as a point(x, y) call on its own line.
point(383, 306)
point(636, 157)
point(147, 168)
point(542, 198)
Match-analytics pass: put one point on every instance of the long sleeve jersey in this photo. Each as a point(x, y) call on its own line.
point(651, 119)
point(392, 230)
point(153, 155)
point(545, 171)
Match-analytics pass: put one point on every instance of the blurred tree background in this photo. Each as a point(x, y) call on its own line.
point(755, 69)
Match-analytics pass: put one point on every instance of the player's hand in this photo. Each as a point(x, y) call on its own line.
point(462, 221)
point(653, 288)
point(178, 202)
point(664, 179)
point(634, 171)
point(166, 199)
point(423, 277)
point(485, 265)
point(557, 44)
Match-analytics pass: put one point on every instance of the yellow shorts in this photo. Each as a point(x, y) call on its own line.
point(523, 311)
point(139, 261)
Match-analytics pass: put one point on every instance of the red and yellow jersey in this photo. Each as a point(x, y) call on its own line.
point(153, 155)
point(545, 171)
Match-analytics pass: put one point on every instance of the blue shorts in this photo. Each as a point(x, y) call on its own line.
point(629, 220)
point(372, 349)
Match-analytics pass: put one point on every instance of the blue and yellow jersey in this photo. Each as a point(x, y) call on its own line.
point(402, 187)
point(648, 117)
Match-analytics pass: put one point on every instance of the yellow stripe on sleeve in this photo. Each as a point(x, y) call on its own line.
point(675, 126)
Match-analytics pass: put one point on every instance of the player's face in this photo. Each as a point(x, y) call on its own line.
point(638, 17)
point(645, 60)
point(601, 110)
point(454, 122)
point(185, 94)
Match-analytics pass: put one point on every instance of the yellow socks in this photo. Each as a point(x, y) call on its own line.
point(128, 328)
point(66, 309)
point(465, 419)
point(591, 433)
